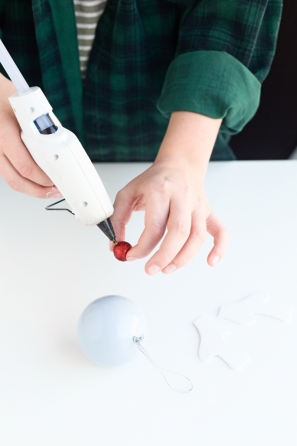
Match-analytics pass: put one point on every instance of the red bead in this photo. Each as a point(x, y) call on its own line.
point(120, 250)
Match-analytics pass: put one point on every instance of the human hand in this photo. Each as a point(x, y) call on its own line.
point(17, 167)
point(173, 197)
point(172, 194)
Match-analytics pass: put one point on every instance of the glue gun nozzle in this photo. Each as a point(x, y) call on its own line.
point(107, 229)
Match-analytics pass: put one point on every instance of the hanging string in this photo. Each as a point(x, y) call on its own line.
point(138, 340)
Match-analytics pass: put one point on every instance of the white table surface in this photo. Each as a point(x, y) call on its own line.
point(52, 267)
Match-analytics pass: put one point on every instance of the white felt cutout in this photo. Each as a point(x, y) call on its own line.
point(258, 303)
point(213, 343)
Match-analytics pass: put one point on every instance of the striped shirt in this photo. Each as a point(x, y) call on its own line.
point(87, 13)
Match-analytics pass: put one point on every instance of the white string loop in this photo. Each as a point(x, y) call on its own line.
point(138, 340)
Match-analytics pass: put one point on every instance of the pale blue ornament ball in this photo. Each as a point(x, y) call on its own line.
point(106, 329)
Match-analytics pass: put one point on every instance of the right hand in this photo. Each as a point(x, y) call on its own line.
point(17, 167)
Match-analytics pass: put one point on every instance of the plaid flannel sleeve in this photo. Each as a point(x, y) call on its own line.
point(225, 50)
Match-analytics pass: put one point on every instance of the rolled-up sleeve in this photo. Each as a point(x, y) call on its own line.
point(224, 52)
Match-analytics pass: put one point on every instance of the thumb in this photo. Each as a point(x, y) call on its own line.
point(220, 234)
point(123, 208)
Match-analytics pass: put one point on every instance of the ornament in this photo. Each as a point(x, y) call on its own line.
point(120, 250)
point(109, 331)
point(106, 329)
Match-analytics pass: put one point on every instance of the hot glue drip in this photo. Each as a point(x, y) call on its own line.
point(120, 250)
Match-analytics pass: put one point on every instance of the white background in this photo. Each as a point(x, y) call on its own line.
point(52, 267)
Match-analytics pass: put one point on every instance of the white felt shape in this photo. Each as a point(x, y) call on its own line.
point(213, 343)
point(258, 303)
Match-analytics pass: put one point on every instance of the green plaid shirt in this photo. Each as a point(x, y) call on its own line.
point(149, 58)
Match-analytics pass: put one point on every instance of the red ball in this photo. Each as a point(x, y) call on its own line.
point(120, 250)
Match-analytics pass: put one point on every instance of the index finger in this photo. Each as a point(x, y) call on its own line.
point(156, 215)
point(123, 208)
point(19, 156)
point(179, 228)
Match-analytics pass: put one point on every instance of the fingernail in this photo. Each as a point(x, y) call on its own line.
point(54, 193)
point(215, 260)
point(154, 269)
point(169, 269)
point(130, 259)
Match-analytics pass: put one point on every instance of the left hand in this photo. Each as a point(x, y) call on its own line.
point(172, 194)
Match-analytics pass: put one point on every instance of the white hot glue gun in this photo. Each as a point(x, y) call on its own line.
point(58, 152)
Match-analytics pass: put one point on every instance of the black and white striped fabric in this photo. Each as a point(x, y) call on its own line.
point(87, 13)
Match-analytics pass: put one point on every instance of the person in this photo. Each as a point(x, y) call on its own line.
point(167, 81)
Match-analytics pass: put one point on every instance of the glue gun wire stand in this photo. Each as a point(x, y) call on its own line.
point(58, 152)
point(105, 225)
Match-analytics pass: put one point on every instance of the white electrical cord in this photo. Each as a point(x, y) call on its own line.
point(12, 70)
